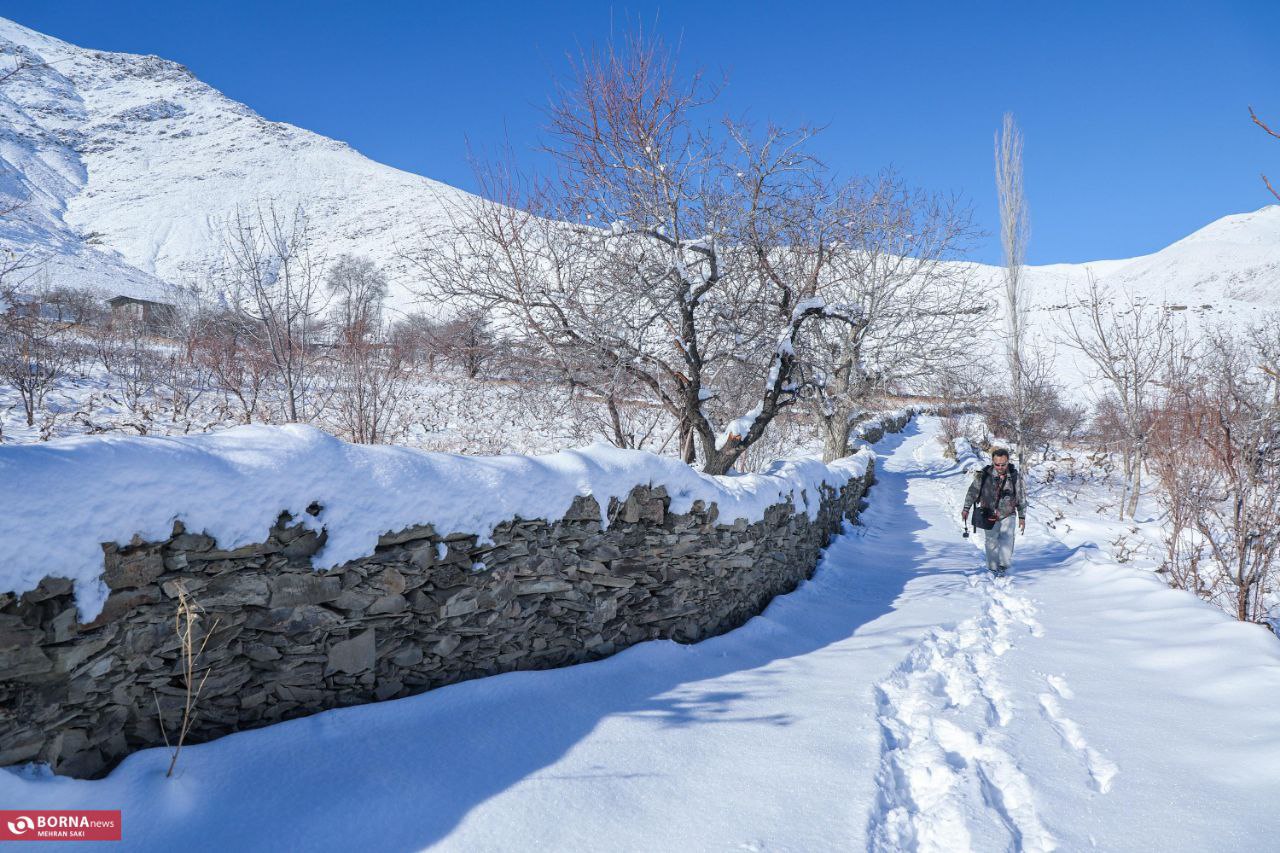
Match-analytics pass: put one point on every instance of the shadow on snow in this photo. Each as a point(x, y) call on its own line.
point(403, 774)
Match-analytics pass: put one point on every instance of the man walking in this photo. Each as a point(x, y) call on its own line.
point(998, 494)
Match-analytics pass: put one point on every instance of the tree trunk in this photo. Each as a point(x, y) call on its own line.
point(835, 437)
point(688, 453)
point(1126, 465)
point(721, 461)
point(615, 422)
point(1137, 485)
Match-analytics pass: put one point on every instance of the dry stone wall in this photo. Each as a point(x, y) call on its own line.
point(428, 608)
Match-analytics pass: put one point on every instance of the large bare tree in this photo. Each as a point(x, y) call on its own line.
point(681, 258)
point(918, 313)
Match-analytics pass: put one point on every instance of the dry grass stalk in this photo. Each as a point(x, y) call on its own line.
point(185, 621)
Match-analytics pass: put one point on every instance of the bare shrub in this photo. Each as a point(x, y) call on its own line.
point(186, 622)
point(1219, 463)
point(36, 350)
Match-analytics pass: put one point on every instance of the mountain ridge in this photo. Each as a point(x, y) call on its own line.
point(125, 164)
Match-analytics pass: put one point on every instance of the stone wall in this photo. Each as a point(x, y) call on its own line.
point(428, 608)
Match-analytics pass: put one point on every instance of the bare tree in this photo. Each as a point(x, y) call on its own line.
point(466, 339)
point(1014, 234)
point(273, 278)
point(1037, 408)
point(360, 289)
point(662, 252)
point(919, 320)
point(34, 351)
point(131, 359)
point(1222, 442)
point(371, 378)
point(1183, 470)
point(183, 378)
point(371, 372)
point(413, 335)
point(1129, 347)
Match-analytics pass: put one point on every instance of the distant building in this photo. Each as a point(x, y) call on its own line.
point(155, 317)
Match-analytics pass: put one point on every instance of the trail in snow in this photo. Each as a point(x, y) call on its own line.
point(942, 765)
point(901, 700)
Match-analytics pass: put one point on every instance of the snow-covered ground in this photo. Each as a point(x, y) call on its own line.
point(899, 700)
point(441, 411)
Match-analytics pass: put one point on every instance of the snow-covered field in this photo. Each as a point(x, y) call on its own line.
point(440, 411)
point(899, 700)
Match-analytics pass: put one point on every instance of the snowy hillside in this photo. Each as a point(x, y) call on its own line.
point(1229, 266)
point(1227, 272)
point(125, 165)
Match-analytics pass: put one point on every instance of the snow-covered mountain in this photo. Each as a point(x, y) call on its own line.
point(127, 164)
point(1225, 273)
point(1229, 266)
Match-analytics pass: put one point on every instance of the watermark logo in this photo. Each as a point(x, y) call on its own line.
point(63, 825)
point(21, 825)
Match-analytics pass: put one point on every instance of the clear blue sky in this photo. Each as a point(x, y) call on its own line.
point(1134, 114)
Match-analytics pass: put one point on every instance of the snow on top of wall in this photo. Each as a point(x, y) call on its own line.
point(67, 497)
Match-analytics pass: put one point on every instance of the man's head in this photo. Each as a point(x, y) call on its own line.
point(1000, 459)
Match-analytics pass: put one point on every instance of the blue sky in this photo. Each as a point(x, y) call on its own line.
point(1135, 114)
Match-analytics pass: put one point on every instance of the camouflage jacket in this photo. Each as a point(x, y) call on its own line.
point(1004, 496)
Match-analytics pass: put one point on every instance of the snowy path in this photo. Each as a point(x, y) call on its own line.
point(901, 700)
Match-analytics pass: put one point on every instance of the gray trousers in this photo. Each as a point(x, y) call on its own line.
point(1000, 543)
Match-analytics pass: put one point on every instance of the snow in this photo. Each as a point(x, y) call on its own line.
point(1227, 273)
point(127, 164)
point(738, 427)
point(899, 700)
point(68, 496)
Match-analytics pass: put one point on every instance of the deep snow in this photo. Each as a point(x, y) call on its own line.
point(77, 493)
point(899, 700)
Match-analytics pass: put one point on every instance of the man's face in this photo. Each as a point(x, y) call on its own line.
point(1001, 464)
